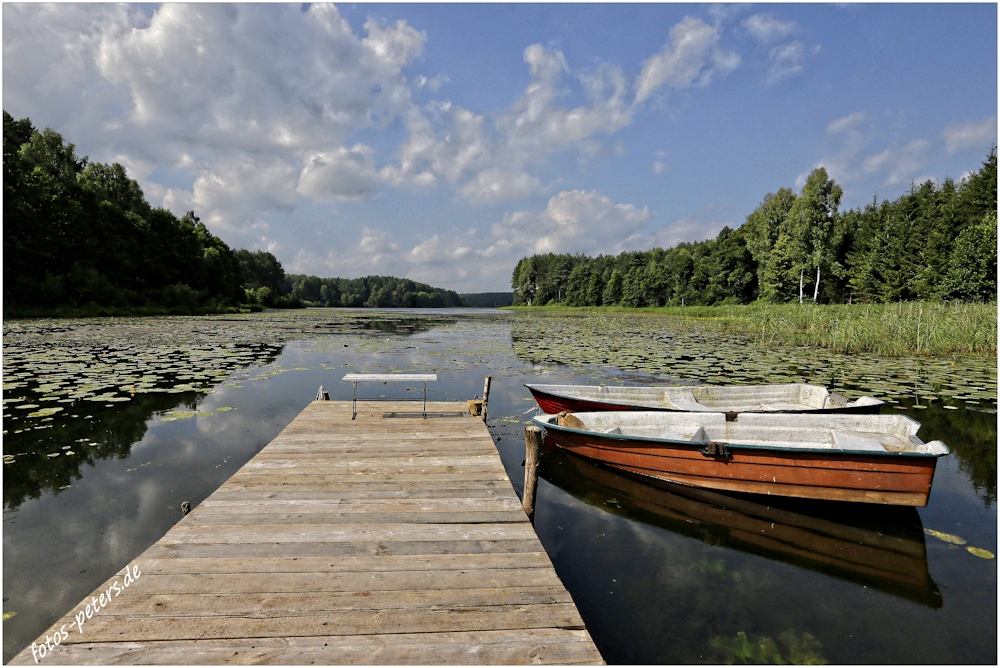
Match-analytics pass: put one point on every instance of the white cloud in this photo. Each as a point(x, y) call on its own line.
point(494, 185)
point(671, 234)
point(766, 29)
point(233, 194)
point(786, 60)
point(574, 221)
point(900, 163)
point(490, 160)
point(340, 174)
point(977, 134)
point(848, 123)
point(396, 45)
point(262, 91)
point(848, 135)
point(535, 124)
point(690, 58)
point(437, 250)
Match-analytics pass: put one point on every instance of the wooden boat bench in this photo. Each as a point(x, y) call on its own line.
point(411, 378)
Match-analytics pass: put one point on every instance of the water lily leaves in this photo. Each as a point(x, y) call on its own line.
point(8, 615)
point(45, 412)
point(981, 553)
point(946, 537)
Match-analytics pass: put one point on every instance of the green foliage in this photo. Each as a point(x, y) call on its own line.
point(79, 237)
point(260, 269)
point(972, 271)
point(370, 291)
point(933, 243)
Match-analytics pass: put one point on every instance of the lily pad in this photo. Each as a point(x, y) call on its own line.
point(946, 537)
point(981, 553)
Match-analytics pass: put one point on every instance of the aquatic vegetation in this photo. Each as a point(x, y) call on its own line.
point(671, 350)
point(714, 566)
point(946, 537)
point(981, 553)
point(799, 650)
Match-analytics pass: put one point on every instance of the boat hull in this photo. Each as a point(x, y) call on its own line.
point(855, 477)
point(551, 403)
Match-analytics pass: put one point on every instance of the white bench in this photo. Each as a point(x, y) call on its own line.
point(413, 378)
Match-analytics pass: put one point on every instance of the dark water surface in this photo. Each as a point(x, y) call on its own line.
point(157, 411)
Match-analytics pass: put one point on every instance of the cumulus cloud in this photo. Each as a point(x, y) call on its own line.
point(395, 45)
point(437, 250)
point(340, 174)
point(488, 161)
point(271, 85)
point(766, 29)
point(574, 221)
point(901, 163)
point(691, 57)
point(977, 134)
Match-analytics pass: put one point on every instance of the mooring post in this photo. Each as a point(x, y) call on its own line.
point(532, 450)
point(486, 394)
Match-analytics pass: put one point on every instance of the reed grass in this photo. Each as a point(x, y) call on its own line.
point(903, 328)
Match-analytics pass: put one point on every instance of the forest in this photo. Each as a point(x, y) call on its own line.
point(934, 243)
point(371, 291)
point(79, 238)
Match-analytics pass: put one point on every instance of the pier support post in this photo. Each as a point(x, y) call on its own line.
point(532, 450)
point(486, 394)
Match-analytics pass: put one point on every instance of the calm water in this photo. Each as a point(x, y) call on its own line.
point(159, 411)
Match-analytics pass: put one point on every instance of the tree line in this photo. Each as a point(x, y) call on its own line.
point(370, 291)
point(936, 242)
point(80, 237)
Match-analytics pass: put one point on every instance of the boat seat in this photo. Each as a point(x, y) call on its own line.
point(685, 401)
point(692, 433)
point(852, 440)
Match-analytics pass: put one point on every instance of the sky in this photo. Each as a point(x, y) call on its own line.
point(444, 142)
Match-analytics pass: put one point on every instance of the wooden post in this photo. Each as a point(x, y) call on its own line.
point(486, 394)
point(532, 450)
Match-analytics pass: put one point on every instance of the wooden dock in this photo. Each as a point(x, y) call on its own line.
point(374, 541)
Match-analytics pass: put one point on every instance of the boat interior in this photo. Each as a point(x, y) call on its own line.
point(855, 433)
point(706, 398)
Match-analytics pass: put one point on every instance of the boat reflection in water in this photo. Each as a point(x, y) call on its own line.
point(877, 546)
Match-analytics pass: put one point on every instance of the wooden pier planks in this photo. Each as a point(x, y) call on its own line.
point(373, 541)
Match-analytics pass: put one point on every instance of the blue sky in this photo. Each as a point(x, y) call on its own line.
point(444, 142)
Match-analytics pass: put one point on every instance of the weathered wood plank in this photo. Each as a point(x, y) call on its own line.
point(236, 583)
point(362, 563)
point(408, 517)
point(165, 549)
point(519, 646)
point(114, 628)
point(240, 506)
point(307, 533)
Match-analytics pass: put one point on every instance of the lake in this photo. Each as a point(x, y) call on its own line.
point(111, 423)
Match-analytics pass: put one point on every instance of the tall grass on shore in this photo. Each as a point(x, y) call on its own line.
point(904, 328)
